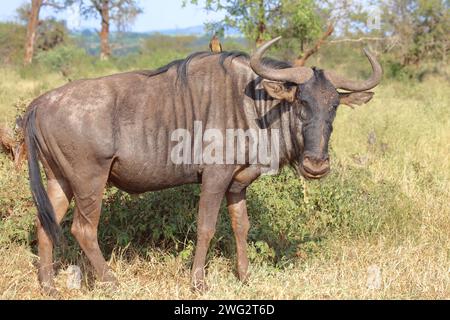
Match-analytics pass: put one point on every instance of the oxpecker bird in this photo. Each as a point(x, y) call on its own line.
point(214, 45)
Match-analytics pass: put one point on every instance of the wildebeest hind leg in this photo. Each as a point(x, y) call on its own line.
point(88, 199)
point(60, 195)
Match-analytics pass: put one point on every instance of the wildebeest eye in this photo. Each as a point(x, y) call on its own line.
point(303, 113)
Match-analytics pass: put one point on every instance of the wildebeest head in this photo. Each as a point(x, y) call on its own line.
point(314, 95)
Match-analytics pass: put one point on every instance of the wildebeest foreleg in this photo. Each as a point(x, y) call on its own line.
point(214, 184)
point(237, 208)
point(60, 194)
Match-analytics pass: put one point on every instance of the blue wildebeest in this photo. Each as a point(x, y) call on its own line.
point(118, 128)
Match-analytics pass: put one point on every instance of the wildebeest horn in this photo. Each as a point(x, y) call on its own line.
point(296, 75)
point(352, 85)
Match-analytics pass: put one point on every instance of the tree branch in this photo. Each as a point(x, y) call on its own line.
point(301, 60)
point(54, 5)
point(360, 39)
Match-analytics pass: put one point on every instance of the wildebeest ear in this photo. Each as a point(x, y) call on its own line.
point(358, 98)
point(279, 90)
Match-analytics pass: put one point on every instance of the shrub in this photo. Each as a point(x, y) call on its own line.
point(62, 57)
point(289, 218)
point(12, 39)
point(50, 34)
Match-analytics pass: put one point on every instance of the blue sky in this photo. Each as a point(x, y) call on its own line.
point(158, 15)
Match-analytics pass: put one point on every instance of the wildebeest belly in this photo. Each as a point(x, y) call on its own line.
point(141, 176)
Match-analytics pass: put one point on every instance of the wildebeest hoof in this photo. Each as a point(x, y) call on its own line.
point(108, 276)
point(48, 284)
point(109, 280)
point(243, 277)
point(200, 287)
point(50, 291)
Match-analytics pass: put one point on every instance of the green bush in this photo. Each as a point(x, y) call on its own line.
point(50, 34)
point(12, 39)
point(289, 218)
point(62, 57)
point(17, 212)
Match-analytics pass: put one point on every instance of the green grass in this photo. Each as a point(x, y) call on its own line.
point(384, 203)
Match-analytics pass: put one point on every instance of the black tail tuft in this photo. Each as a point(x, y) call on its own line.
point(45, 209)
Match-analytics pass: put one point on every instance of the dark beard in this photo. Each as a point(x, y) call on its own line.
point(297, 167)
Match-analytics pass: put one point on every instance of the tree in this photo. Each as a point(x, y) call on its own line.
point(252, 17)
point(32, 13)
point(120, 12)
point(420, 27)
point(33, 20)
point(299, 20)
point(299, 23)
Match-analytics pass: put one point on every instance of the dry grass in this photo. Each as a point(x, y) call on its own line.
point(409, 271)
point(412, 153)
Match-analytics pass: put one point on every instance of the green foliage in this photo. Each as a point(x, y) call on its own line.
point(61, 58)
point(12, 39)
point(299, 23)
point(252, 17)
point(164, 218)
point(50, 34)
point(289, 218)
point(16, 207)
point(396, 70)
point(421, 28)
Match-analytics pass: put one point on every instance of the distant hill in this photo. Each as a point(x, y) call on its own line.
point(195, 31)
point(189, 31)
point(130, 42)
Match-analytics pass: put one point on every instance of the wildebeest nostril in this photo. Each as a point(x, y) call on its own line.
point(316, 166)
point(316, 160)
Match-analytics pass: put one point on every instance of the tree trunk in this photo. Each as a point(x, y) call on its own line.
point(104, 34)
point(33, 21)
point(261, 31)
point(261, 24)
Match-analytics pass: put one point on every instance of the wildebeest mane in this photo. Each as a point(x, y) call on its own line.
point(182, 65)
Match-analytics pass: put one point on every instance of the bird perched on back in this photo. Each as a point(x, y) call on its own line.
point(214, 45)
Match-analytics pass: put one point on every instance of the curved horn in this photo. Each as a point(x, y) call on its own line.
point(351, 85)
point(296, 75)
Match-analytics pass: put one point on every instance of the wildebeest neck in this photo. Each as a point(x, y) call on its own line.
point(281, 115)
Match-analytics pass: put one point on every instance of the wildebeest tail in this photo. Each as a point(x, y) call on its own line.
point(46, 213)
